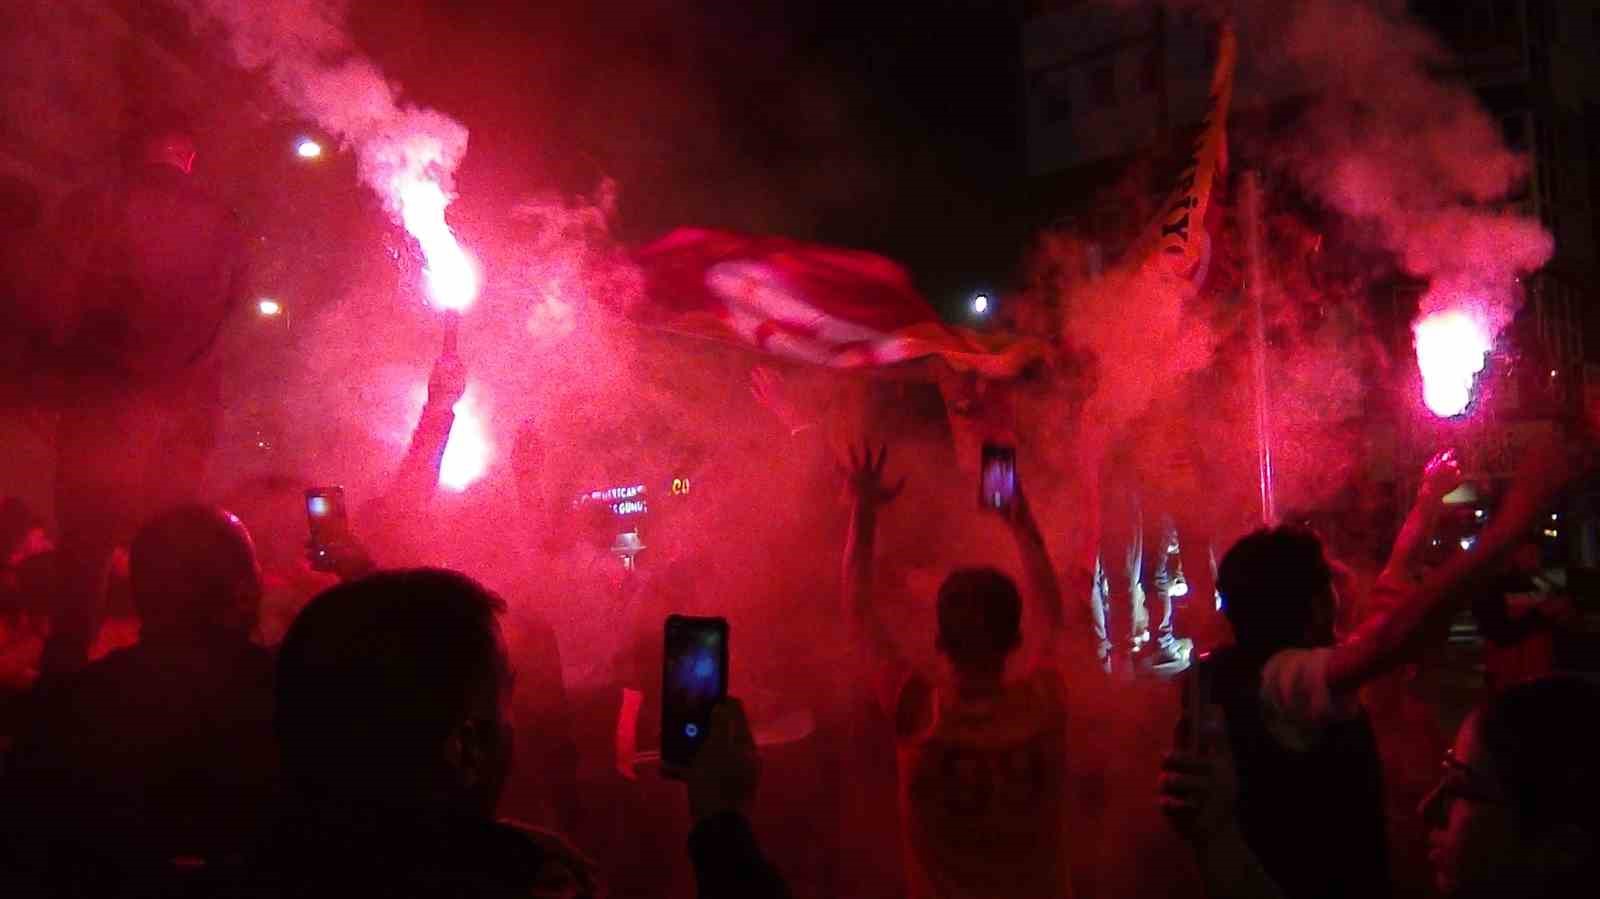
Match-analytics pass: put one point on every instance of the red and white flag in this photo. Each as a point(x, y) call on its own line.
point(811, 303)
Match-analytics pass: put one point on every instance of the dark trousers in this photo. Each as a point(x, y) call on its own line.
point(1132, 588)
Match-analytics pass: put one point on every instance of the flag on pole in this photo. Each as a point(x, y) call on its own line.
point(807, 302)
point(1177, 244)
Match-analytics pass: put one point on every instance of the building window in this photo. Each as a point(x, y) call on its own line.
point(1103, 84)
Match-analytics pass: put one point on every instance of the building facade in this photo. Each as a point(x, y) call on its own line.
point(1105, 84)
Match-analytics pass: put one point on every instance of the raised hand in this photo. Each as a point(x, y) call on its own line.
point(1200, 791)
point(864, 477)
point(1440, 476)
point(727, 768)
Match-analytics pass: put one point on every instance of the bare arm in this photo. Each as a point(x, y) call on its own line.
point(418, 476)
point(1037, 568)
point(1381, 641)
point(868, 495)
point(1442, 475)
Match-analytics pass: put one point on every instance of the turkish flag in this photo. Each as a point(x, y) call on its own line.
point(812, 303)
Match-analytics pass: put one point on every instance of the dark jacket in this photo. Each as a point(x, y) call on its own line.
point(140, 758)
point(407, 854)
point(1314, 819)
point(399, 854)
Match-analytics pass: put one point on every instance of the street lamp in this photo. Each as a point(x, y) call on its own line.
point(307, 148)
point(981, 304)
point(269, 308)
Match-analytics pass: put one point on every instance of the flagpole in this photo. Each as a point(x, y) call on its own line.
point(1256, 285)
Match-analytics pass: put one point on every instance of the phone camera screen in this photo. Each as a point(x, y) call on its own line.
point(326, 514)
point(695, 679)
point(998, 485)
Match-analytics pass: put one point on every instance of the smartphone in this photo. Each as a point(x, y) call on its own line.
point(997, 479)
point(330, 523)
point(694, 678)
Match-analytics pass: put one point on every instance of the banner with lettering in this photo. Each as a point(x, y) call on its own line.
point(1178, 242)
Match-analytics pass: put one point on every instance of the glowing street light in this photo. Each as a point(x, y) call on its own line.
point(269, 308)
point(981, 304)
point(306, 148)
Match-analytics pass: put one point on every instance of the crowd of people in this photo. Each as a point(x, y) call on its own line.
point(378, 727)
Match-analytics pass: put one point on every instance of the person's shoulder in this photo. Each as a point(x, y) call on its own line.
point(915, 701)
point(545, 861)
point(110, 668)
point(1039, 697)
point(256, 661)
point(60, 705)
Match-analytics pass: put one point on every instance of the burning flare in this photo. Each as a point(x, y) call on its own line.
point(1451, 346)
point(466, 455)
point(452, 277)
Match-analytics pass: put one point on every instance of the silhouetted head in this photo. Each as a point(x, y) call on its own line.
point(980, 620)
point(1277, 589)
point(392, 690)
point(1514, 811)
point(193, 574)
point(164, 138)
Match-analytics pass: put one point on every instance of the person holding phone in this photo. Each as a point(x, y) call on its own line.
point(982, 751)
point(1511, 812)
point(395, 756)
point(1308, 759)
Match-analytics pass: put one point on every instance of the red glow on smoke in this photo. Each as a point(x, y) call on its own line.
point(1451, 346)
point(452, 276)
point(466, 455)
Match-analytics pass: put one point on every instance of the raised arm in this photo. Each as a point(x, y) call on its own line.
point(867, 496)
point(1037, 569)
point(418, 476)
point(1380, 642)
point(1440, 476)
point(728, 860)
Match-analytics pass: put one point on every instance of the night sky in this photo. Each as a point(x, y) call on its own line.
point(893, 126)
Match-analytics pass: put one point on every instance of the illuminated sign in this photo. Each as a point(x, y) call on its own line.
point(627, 500)
point(628, 505)
point(613, 494)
